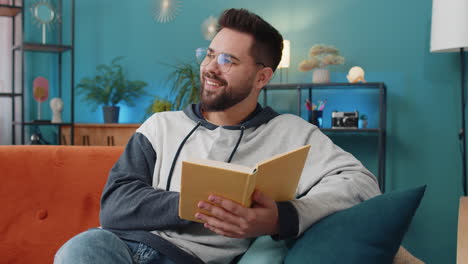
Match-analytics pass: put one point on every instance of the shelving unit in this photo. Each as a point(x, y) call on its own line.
point(379, 131)
point(20, 119)
point(11, 11)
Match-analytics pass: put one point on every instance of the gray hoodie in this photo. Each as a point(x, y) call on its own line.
point(140, 199)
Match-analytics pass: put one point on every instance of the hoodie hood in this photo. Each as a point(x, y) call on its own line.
point(258, 117)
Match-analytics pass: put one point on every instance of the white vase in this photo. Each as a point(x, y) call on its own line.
point(321, 76)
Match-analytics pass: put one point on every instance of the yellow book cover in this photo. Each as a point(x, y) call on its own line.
point(277, 177)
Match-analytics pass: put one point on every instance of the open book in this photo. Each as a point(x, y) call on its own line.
point(276, 177)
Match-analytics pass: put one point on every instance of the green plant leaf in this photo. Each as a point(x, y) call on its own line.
point(110, 87)
point(185, 79)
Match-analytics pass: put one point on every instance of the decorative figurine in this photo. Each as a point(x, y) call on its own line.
point(56, 104)
point(356, 74)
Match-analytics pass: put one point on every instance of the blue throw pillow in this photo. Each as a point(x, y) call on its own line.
point(370, 232)
point(265, 250)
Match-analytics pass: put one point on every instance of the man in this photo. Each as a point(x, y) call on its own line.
point(139, 206)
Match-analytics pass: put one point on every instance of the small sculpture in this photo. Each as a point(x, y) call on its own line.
point(56, 104)
point(356, 74)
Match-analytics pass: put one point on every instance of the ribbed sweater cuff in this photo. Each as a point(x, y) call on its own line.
point(288, 221)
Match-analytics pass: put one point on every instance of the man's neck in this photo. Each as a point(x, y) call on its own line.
point(231, 116)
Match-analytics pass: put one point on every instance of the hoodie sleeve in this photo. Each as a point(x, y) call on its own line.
point(129, 202)
point(332, 180)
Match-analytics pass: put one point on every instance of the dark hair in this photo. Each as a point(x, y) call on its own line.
point(268, 42)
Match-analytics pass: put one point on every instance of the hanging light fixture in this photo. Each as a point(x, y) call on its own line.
point(165, 10)
point(209, 27)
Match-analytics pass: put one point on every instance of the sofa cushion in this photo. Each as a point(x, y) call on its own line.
point(370, 232)
point(265, 250)
point(49, 194)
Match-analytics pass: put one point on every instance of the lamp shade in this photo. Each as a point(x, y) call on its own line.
point(285, 58)
point(449, 28)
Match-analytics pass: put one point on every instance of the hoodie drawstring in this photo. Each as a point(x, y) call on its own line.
point(169, 179)
point(168, 185)
point(237, 144)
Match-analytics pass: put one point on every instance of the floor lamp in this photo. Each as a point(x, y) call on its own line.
point(449, 33)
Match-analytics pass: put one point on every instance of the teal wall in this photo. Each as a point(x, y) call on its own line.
point(389, 39)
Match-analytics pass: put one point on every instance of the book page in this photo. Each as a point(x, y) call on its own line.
point(279, 176)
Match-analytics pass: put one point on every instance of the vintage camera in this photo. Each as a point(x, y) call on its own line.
point(345, 119)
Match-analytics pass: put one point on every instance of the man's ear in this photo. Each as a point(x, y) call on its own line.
point(263, 77)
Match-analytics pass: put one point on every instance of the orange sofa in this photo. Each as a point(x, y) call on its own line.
point(48, 194)
point(51, 193)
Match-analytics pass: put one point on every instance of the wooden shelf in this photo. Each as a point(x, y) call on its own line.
point(42, 47)
point(9, 10)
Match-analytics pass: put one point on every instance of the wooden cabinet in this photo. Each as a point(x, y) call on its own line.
point(99, 134)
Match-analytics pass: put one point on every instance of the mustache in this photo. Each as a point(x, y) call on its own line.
point(214, 77)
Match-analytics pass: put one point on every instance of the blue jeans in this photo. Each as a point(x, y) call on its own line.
point(100, 246)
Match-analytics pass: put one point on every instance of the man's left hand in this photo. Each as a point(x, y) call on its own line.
point(234, 220)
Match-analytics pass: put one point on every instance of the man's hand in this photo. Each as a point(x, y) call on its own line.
point(233, 220)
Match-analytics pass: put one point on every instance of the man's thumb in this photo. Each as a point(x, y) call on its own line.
point(260, 200)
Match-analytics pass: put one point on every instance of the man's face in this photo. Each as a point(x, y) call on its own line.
point(221, 88)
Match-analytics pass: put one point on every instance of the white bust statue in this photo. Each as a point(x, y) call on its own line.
point(56, 104)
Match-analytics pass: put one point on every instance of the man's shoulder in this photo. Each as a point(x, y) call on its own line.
point(166, 118)
point(160, 116)
point(290, 119)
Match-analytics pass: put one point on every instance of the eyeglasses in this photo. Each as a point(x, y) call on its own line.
point(225, 61)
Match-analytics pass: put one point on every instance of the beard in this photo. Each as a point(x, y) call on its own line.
point(228, 96)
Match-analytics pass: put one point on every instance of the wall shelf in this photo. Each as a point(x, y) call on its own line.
point(9, 94)
point(43, 47)
point(379, 131)
point(60, 66)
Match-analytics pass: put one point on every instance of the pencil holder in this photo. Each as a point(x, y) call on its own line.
point(316, 117)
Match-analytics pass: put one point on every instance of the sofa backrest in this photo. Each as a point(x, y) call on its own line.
point(48, 194)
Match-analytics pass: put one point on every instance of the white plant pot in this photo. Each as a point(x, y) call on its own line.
point(321, 76)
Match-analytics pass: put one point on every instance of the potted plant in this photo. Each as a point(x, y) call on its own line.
point(108, 88)
point(363, 119)
point(185, 79)
point(158, 105)
point(320, 57)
